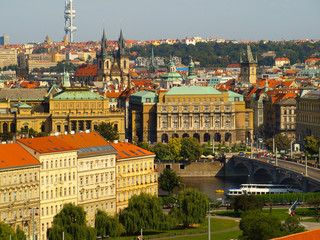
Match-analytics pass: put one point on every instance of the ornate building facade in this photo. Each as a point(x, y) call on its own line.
point(135, 173)
point(58, 176)
point(19, 189)
point(308, 115)
point(96, 173)
point(200, 112)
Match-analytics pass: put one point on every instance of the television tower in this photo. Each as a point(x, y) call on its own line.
point(69, 15)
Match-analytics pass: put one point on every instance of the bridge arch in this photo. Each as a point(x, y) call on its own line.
point(241, 168)
point(263, 174)
point(291, 180)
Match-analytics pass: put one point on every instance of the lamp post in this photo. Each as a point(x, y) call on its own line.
point(306, 162)
point(209, 215)
point(33, 220)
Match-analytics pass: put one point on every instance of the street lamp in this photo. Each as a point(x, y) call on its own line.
point(209, 215)
point(33, 225)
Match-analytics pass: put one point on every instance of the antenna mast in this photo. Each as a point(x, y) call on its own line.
point(69, 15)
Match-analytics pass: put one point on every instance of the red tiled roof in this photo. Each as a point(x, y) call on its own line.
point(308, 235)
point(113, 94)
point(87, 70)
point(47, 144)
point(82, 140)
point(128, 150)
point(13, 155)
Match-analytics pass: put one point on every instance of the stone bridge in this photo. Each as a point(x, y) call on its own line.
point(262, 170)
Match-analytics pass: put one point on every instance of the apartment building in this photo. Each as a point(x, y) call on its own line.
point(58, 176)
point(19, 189)
point(96, 173)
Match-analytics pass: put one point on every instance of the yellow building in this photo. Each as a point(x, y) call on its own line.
point(96, 173)
point(19, 189)
point(73, 109)
point(58, 176)
point(134, 172)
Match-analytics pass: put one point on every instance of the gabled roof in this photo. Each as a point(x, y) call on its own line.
point(13, 155)
point(128, 150)
point(47, 144)
point(88, 143)
point(23, 93)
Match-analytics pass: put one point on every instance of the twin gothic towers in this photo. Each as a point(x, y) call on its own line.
point(113, 68)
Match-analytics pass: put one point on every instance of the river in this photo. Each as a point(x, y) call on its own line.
point(209, 185)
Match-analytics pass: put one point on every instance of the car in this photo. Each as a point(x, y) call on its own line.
point(227, 204)
point(300, 202)
point(275, 203)
point(259, 155)
point(266, 203)
point(241, 154)
point(283, 201)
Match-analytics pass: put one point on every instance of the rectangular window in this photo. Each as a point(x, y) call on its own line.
point(217, 108)
point(174, 108)
point(175, 125)
point(185, 108)
point(164, 125)
point(164, 108)
point(206, 108)
point(196, 108)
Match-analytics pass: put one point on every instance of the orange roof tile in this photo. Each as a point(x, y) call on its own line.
point(128, 150)
point(310, 235)
point(13, 155)
point(113, 94)
point(87, 140)
point(47, 144)
point(87, 70)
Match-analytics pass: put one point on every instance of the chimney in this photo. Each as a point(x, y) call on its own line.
point(115, 141)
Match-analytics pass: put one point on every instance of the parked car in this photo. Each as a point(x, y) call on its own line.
point(283, 202)
point(275, 203)
point(241, 154)
point(266, 203)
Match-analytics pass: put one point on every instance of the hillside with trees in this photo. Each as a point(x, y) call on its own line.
point(221, 54)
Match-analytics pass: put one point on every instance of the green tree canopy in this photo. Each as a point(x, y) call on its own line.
point(72, 221)
point(108, 130)
point(246, 203)
point(143, 211)
point(107, 225)
point(161, 151)
point(192, 208)
point(145, 146)
point(292, 225)
point(282, 142)
point(174, 146)
point(258, 226)
point(190, 149)
point(168, 180)
point(315, 203)
point(6, 231)
point(311, 145)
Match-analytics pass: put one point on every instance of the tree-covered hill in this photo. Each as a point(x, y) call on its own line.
point(221, 54)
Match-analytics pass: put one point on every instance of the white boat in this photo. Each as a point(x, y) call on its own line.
point(259, 189)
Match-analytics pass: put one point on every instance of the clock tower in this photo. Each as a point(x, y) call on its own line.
point(248, 68)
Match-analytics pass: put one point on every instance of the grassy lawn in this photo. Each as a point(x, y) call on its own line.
point(215, 225)
point(281, 213)
point(216, 236)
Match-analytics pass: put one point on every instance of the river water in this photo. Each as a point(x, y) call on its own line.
point(209, 185)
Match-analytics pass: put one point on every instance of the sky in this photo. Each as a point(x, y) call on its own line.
point(248, 20)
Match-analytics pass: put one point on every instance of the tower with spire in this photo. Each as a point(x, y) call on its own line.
point(152, 68)
point(248, 67)
point(113, 68)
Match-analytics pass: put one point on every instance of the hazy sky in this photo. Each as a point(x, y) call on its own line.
point(32, 20)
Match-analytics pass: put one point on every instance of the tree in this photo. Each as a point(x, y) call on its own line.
point(192, 207)
point(315, 203)
point(311, 145)
point(20, 234)
point(161, 150)
point(6, 231)
point(282, 142)
point(174, 146)
point(145, 146)
point(168, 180)
point(32, 133)
point(190, 149)
point(246, 203)
point(107, 225)
point(72, 221)
point(108, 130)
point(292, 225)
point(143, 211)
point(258, 226)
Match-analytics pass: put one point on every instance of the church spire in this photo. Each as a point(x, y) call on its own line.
point(104, 44)
point(121, 45)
